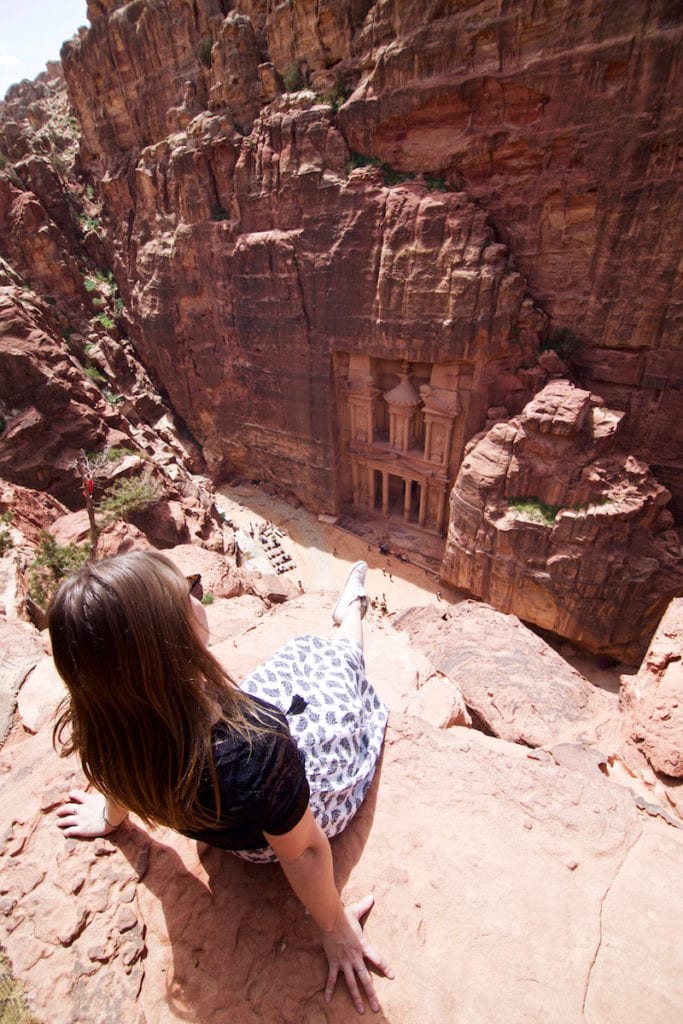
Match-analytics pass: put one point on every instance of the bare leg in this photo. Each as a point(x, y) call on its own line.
point(351, 626)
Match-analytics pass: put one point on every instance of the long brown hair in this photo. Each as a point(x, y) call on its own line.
point(143, 689)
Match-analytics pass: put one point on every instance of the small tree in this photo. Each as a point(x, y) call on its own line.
point(6, 542)
point(118, 501)
point(127, 496)
point(88, 467)
point(53, 562)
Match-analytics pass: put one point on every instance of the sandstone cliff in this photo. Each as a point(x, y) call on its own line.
point(524, 110)
point(70, 380)
point(276, 212)
point(549, 523)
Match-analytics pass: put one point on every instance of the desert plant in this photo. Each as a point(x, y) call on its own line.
point(533, 510)
point(104, 319)
point(205, 45)
point(562, 340)
point(336, 96)
point(113, 454)
point(292, 78)
point(93, 374)
point(208, 598)
point(53, 562)
point(127, 496)
point(112, 397)
point(6, 542)
point(90, 223)
point(360, 160)
point(393, 177)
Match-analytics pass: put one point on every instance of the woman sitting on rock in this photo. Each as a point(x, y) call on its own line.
point(268, 770)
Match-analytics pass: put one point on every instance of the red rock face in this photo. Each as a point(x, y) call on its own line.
point(249, 256)
point(257, 265)
point(266, 268)
point(651, 700)
point(51, 410)
point(549, 523)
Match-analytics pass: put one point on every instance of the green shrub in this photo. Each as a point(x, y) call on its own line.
point(205, 45)
point(219, 213)
point(6, 541)
point(127, 496)
point(93, 374)
point(534, 511)
point(104, 319)
point(89, 284)
point(90, 223)
point(336, 96)
point(112, 397)
point(392, 177)
point(562, 340)
point(360, 160)
point(292, 78)
point(436, 184)
point(208, 598)
point(53, 562)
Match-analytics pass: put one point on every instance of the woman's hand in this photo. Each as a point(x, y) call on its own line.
point(85, 815)
point(305, 856)
point(347, 951)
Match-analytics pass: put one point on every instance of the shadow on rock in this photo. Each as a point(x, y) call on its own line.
point(226, 935)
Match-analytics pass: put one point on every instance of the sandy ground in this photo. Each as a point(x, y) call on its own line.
point(324, 553)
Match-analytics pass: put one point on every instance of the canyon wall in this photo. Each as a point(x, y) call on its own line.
point(249, 252)
point(315, 221)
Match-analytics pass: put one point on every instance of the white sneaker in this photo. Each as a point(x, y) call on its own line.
point(353, 590)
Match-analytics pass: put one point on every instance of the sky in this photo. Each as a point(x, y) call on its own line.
point(32, 33)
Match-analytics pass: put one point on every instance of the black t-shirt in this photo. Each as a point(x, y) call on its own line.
point(263, 785)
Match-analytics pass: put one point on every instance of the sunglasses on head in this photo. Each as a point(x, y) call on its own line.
point(194, 585)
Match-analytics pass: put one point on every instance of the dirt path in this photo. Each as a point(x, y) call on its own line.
point(323, 553)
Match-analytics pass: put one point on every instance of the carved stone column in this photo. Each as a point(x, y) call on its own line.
point(408, 495)
point(422, 514)
point(440, 513)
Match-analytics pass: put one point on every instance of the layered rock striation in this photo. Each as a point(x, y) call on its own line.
point(551, 523)
point(563, 126)
point(282, 210)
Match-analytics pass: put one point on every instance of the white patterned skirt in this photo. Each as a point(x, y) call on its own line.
point(335, 718)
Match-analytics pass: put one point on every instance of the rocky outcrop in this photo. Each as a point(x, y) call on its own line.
point(549, 523)
point(51, 409)
point(515, 686)
point(565, 126)
point(153, 926)
point(23, 648)
point(652, 700)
